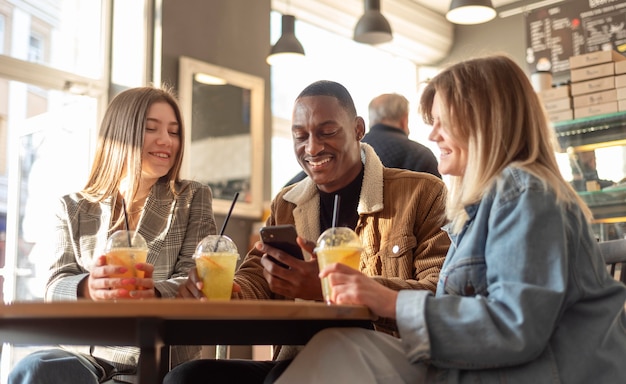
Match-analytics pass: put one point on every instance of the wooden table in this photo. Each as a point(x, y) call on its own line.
point(154, 325)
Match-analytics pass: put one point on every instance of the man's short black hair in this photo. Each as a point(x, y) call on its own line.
point(333, 89)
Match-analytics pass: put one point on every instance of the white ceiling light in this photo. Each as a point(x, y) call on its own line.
point(372, 27)
point(208, 79)
point(287, 47)
point(470, 11)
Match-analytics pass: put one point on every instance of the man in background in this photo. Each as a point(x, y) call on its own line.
point(389, 136)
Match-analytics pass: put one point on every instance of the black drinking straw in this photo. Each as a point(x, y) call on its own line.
point(336, 210)
point(126, 221)
point(232, 205)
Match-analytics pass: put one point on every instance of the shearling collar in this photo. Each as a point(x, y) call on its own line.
point(371, 199)
point(304, 195)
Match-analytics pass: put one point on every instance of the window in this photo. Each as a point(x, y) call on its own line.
point(2, 33)
point(35, 113)
point(35, 49)
point(52, 87)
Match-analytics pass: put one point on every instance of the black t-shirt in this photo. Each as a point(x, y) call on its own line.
point(348, 203)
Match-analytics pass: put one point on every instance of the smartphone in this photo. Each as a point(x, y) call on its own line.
point(282, 237)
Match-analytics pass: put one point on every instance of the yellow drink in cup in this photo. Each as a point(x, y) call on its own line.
point(128, 257)
point(337, 245)
point(217, 271)
point(127, 248)
point(216, 260)
point(349, 256)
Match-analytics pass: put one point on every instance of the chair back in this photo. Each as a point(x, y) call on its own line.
point(614, 253)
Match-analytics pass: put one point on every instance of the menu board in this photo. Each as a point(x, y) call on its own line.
point(555, 33)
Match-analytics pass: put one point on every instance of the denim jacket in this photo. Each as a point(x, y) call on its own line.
point(524, 296)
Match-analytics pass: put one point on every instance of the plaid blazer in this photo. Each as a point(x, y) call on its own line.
point(172, 226)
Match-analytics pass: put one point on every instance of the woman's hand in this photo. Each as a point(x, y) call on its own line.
point(145, 285)
point(100, 285)
point(192, 287)
point(352, 287)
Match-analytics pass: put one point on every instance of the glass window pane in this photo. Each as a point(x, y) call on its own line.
point(2, 32)
point(62, 34)
point(128, 55)
point(48, 154)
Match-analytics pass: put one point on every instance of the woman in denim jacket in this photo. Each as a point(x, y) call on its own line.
point(524, 295)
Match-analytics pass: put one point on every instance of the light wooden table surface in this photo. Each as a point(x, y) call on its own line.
point(154, 325)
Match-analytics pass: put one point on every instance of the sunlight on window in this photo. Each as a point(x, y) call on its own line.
point(127, 61)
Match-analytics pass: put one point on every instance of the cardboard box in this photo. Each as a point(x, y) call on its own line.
point(594, 58)
point(592, 72)
point(593, 110)
point(555, 93)
point(620, 67)
point(596, 85)
point(620, 81)
point(561, 115)
point(595, 98)
point(558, 105)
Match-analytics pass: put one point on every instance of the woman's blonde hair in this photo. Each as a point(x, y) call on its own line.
point(489, 104)
point(120, 143)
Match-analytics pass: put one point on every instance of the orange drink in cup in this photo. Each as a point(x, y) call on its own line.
point(337, 245)
point(216, 259)
point(127, 248)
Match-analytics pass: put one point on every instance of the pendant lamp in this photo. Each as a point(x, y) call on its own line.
point(287, 46)
point(470, 11)
point(372, 27)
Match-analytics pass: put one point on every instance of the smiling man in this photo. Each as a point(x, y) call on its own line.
point(398, 215)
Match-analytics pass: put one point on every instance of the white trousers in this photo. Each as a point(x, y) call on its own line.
point(353, 355)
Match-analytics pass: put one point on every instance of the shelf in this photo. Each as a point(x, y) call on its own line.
point(607, 205)
point(591, 132)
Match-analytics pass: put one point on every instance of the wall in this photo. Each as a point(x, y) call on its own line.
point(234, 34)
point(496, 36)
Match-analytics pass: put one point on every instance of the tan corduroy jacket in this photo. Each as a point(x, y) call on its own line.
point(400, 218)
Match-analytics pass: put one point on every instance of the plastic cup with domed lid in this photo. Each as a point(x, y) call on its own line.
point(337, 245)
point(127, 248)
point(216, 258)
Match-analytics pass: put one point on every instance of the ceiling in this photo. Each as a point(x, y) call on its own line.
point(421, 32)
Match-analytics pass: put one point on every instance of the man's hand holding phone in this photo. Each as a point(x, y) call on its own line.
point(282, 237)
point(285, 269)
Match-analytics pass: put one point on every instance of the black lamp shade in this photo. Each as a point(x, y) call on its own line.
point(470, 11)
point(287, 44)
point(372, 27)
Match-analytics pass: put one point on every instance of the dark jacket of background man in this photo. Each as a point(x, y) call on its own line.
point(389, 136)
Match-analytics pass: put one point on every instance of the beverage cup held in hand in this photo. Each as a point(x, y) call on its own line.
point(216, 259)
point(337, 245)
point(127, 248)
